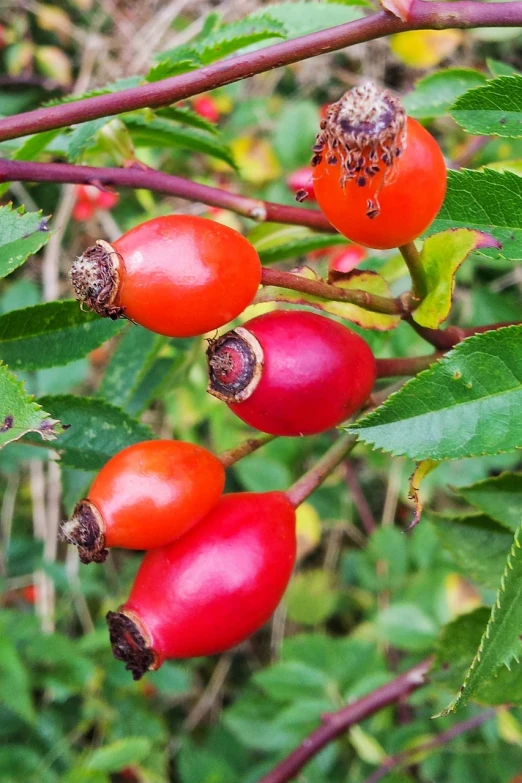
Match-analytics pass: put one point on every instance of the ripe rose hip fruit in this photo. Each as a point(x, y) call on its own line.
point(379, 176)
point(211, 589)
point(291, 372)
point(347, 258)
point(178, 275)
point(145, 496)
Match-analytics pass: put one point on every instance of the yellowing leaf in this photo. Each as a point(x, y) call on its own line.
point(55, 20)
point(441, 256)
point(461, 596)
point(509, 728)
point(363, 280)
point(256, 160)
point(308, 529)
point(53, 62)
point(420, 472)
point(425, 48)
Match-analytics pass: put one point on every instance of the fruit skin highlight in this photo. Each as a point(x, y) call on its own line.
point(291, 373)
point(178, 275)
point(211, 589)
point(145, 496)
point(379, 176)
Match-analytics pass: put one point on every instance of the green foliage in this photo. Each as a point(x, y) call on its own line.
point(20, 414)
point(51, 335)
point(278, 242)
point(435, 93)
point(467, 404)
point(500, 497)
point(21, 234)
point(492, 109)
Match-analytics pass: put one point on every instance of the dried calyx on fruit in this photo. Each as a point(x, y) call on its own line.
point(365, 133)
point(379, 177)
point(177, 275)
point(291, 373)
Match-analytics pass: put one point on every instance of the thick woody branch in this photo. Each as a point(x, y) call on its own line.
point(372, 302)
point(337, 723)
point(157, 181)
point(422, 16)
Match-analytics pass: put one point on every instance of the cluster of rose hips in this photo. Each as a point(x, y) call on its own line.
point(217, 565)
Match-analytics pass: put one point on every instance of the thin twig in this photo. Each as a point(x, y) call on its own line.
point(372, 302)
point(337, 723)
point(314, 477)
point(416, 269)
point(409, 365)
point(248, 446)
point(407, 756)
point(359, 499)
point(167, 184)
point(422, 16)
point(209, 695)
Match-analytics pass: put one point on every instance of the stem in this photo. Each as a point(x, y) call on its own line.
point(418, 276)
point(23, 171)
point(314, 477)
point(337, 723)
point(372, 302)
point(422, 16)
point(359, 498)
point(444, 339)
point(444, 737)
point(248, 446)
point(409, 365)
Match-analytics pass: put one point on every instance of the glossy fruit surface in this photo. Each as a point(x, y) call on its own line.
point(379, 176)
point(211, 589)
point(178, 275)
point(310, 373)
point(146, 496)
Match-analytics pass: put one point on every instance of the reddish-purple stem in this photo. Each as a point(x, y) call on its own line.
point(28, 171)
point(422, 16)
point(408, 365)
point(441, 739)
point(337, 723)
point(444, 339)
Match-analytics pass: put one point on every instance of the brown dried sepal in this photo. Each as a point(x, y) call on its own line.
point(85, 529)
point(131, 644)
point(235, 363)
point(366, 131)
point(95, 277)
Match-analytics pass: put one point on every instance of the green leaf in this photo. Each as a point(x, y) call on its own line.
point(52, 334)
point(216, 43)
point(117, 755)
point(96, 431)
point(162, 133)
point(441, 256)
point(494, 109)
point(20, 414)
point(310, 597)
point(303, 17)
point(501, 637)
point(187, 117)
point(285, 681)
point(134, 355)
point(275, 242)
point(434, 94)
point(498, 68)
point(465, 405)
point(489, 201)
point(295, 132)
point(21, 235)
point(406, 627)
point(15, 691)
point(83, 137)
point(500, 497)
point(456, 648)
point(478, 544)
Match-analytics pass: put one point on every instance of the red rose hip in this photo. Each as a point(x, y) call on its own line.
point(379, 176)
point(211, 589)
point(145, 496)
point(178, 275)
point(291, 372)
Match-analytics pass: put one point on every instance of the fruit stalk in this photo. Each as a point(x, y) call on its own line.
point(408, 365)
point(314, 477)
point(248, 446)
point(413, 261)
point(364, 299)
